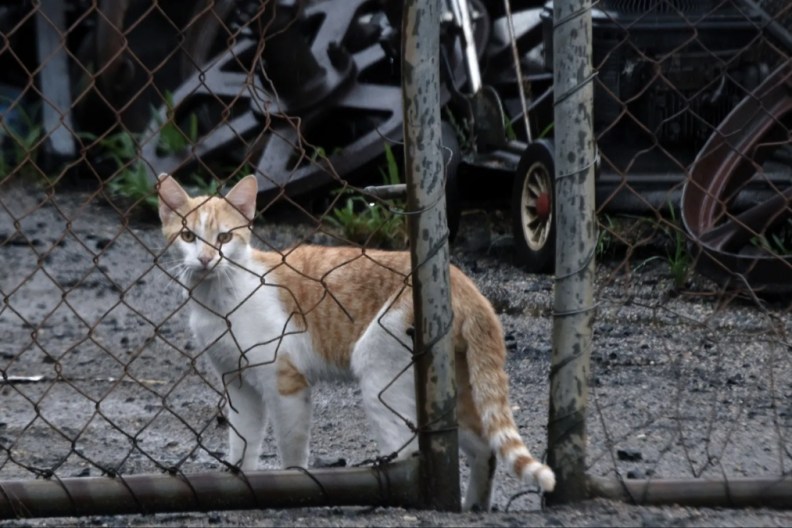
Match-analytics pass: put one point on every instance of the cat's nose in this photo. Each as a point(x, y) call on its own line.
point(205, 260)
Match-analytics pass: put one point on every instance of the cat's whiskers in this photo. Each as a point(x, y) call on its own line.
point(175, 270)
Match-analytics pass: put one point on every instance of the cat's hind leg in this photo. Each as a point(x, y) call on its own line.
point(482, 462)
point(381, 361)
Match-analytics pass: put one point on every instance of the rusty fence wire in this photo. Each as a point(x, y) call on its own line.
point(690, 367)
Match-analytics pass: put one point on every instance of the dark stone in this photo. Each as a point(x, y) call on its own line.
point(630, 455)
point(328, 462)
point(103, 243)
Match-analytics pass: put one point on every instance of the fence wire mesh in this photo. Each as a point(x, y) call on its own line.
point(691, 362)
point(100, 374)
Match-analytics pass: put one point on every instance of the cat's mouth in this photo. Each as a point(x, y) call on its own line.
point(200, 272)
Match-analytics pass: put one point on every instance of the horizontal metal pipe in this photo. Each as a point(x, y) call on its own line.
point(388, 485)
point(774, 492)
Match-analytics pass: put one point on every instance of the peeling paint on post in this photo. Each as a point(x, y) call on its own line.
point(576, 232)
point(435, 382)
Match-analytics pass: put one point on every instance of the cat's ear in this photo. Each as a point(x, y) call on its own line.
point(243, 196)
point(171, 196)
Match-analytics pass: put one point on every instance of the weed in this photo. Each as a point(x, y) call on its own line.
point(546, 131)
point(463, 130)
point(605, 237)
point(377, 224)
point(172, 138)
point(23, 142)
point(777, 240)
point(390, 174)
point(508, 128)
point(130, 180)
point(678, 258)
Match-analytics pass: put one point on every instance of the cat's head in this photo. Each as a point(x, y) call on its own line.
point(211, 233)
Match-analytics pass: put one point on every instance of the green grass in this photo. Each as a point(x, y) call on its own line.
point(679, 260)
point(373, 224)
point(130, 181)
point(172, 139)
point(625, 236)
point(19, 151)
point(777, 241)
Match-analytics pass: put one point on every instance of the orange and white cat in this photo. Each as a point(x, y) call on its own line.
point(274, 323)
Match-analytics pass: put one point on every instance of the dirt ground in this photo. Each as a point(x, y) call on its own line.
point(100, 374)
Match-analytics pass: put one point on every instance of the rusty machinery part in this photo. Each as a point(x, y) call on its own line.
point(738, 195)
point(297, 128)
point(532, 207)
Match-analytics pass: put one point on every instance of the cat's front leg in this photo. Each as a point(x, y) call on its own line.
point(290, 408)
point(247, 417)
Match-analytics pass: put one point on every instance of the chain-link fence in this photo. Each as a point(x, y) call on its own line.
point(101, 375)
point(691, 361)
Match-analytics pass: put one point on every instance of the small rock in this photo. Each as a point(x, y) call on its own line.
point(328, 462)
point(103, 243)
point(635, 474)
point(630, 455)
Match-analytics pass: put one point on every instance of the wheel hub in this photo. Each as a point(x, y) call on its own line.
point(543, 206)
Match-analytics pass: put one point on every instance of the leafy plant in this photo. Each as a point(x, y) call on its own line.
point(23, 142)
point(678, 257)
point(378, 224)
point(463, 130)
point(605, 238)
point(172, 138)
point(546, 131)
point(778, 240)
point(131, 180)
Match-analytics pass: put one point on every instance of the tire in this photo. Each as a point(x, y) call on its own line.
point(451, 159)
point(533, 208)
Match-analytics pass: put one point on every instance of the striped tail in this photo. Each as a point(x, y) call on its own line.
point(486, 355)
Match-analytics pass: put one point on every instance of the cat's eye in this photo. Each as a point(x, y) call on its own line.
point(225, 237)
point(188, 236)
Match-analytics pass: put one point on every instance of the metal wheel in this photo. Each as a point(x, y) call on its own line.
point(250, 111)
point(533, 219)
point(736, 203)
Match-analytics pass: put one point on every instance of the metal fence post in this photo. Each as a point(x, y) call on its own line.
point(434, 361)
point(576, 230)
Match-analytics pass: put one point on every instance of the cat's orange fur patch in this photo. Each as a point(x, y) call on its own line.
point(314, 288)
point(290, 380)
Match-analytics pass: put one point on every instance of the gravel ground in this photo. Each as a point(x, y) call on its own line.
point(101, 374)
